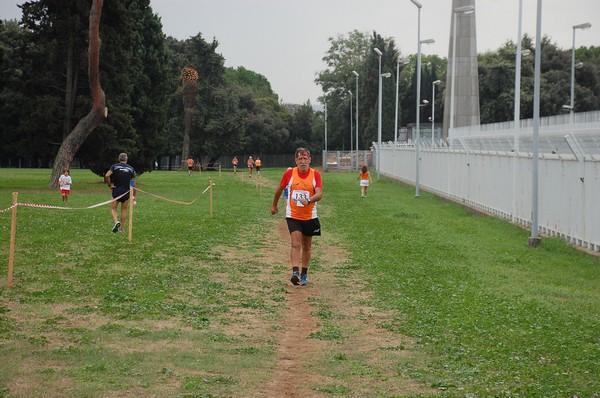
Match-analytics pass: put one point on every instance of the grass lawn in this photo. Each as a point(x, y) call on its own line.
point(191, 307)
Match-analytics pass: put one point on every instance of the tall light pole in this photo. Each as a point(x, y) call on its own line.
point(325, 157)
point(464, 11)
point(379, 53)
point(582, 26)
point(534, 239)
point(402, 61)
point(517, 114)
point(381, 75)
point(417, 154)
point(435, 83)
point(351, 138)
point(417, 128)
point(357, 75)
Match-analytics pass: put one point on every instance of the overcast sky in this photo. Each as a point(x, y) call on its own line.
point(285, 40)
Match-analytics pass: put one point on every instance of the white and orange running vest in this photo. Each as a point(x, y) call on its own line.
point(299, 188)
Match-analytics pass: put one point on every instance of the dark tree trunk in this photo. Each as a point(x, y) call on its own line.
point(188, 114)
point(84, 128)
point(189, 77)
point(69, 93)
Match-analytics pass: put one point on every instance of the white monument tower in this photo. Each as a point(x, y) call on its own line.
point(462, 79)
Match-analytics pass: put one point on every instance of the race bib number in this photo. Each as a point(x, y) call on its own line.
point(300, 194)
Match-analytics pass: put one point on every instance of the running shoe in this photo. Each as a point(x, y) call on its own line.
point(295, 279)
point(303, 280)
point(116, 227)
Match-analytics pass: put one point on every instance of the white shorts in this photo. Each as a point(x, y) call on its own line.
point(364, 183)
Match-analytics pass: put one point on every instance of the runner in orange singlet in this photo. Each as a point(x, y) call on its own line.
point(257, 164)
point(305, 188)
point(190, 164)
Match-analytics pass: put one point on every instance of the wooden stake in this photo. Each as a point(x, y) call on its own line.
point(130, 205)
point(211, 199)
point(13, 233)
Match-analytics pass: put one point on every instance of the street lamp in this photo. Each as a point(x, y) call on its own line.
point(402, 61)
point(582, 26)
point(325, 157)
point(386, 75)
point(351, 139)
point(517, 114)
point(379, 53)
point(419, 41)
point(464, 11)
point(419, 5)
point(417, 128)
point(433, 84)
point(534, 239)
point(356, 74)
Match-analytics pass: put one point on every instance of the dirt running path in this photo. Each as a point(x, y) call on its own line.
point(299, 368)
point(294, 346)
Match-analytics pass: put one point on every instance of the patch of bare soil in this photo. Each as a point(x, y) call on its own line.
point(294, 347)
point(299, 357)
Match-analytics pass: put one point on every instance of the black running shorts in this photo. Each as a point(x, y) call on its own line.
point(120, 191)
point(307, 227)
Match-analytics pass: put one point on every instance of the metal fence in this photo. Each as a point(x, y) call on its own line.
point(483, 170)
point(340, 161)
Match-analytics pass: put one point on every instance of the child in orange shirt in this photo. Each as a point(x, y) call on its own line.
point(365, 178)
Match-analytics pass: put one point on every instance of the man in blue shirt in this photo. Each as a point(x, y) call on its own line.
point(119, 179)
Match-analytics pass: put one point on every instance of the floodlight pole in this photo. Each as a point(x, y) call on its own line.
point(379, 53)
point(351, 138)
point(534, 239)
point(435, 83)
point(517, 114)
point(417, 154)
point(357, 75)
point(325, 157)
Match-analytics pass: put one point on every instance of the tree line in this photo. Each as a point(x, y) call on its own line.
point(44, 90)
point(354, 52)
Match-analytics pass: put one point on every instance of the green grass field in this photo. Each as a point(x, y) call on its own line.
point(190, 308)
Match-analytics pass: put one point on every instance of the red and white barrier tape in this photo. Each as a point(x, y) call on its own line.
point(41, 206)
point(7, 209)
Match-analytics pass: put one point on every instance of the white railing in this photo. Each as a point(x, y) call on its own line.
point(481, 170)
point(346, 160)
